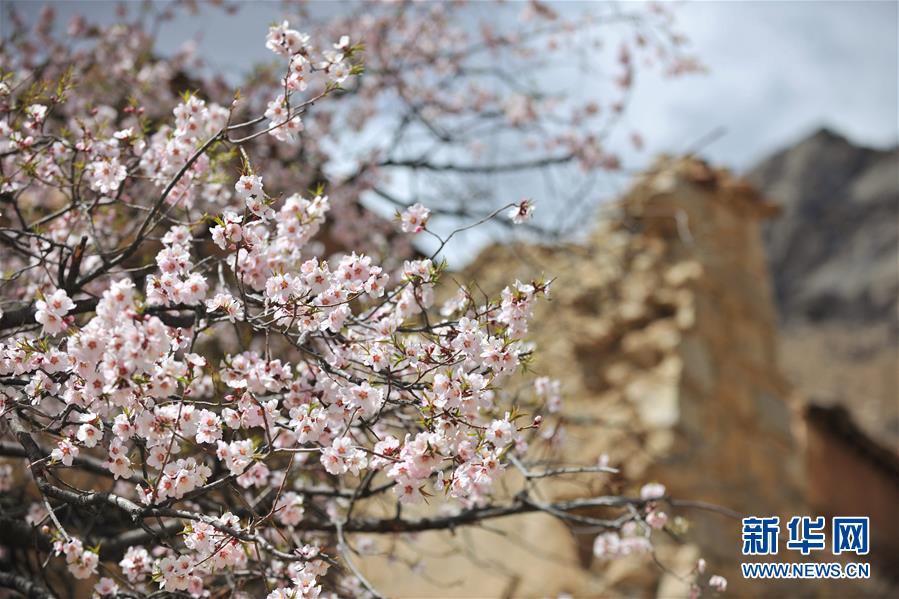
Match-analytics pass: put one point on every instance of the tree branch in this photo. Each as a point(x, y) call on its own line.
point(29, 588)
point(478, 168)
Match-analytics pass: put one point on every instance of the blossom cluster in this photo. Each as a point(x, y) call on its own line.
point(228, 351)
point(347, 363)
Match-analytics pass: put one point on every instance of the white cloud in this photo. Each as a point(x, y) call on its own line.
point(778, 70)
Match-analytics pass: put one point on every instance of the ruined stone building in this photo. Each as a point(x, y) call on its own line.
point(662, 329)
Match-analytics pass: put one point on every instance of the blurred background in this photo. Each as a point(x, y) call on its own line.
point(725, 317)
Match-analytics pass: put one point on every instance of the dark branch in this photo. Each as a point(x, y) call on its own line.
point(479, 168)
point(29, 588)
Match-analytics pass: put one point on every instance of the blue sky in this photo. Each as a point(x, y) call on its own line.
point(778, 70)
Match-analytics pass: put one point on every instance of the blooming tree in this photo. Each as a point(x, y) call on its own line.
point(210, 377)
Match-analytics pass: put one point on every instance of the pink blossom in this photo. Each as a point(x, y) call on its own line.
point(249, 186)
point(415, 218)
point(65, 452)
point(656, 519)
point(521, 212)
point(51, 311)
point(106, 586)
point(105, 176)
point(652, 491)
point(719, 583)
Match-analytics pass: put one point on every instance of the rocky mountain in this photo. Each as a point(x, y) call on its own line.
point(834, 258)
point(833, 252)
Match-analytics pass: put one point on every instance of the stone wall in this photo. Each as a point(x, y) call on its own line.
point(662, 330)
point(849, 474)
